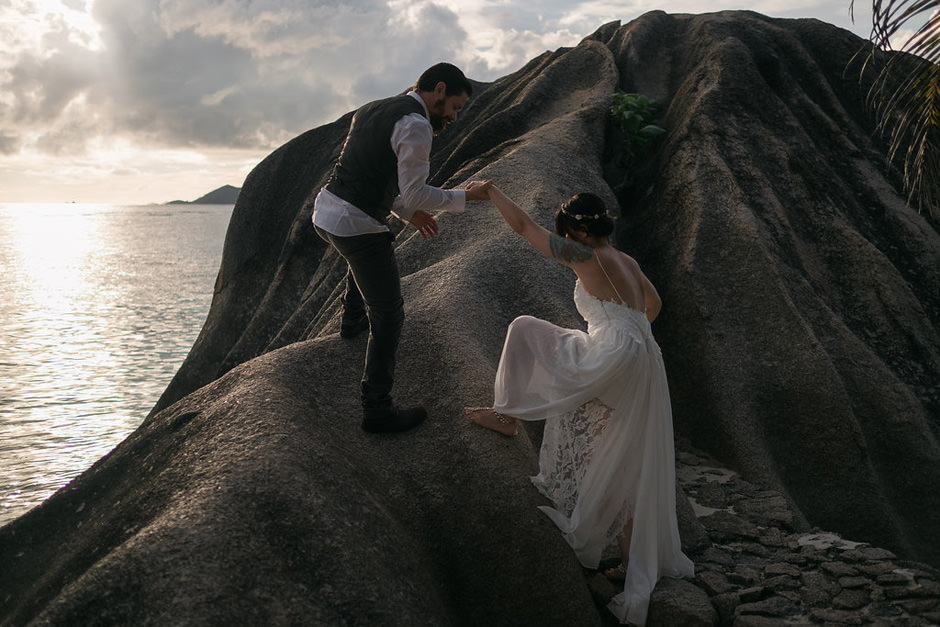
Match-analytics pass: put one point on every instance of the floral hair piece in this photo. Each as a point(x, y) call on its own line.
point(579, 216)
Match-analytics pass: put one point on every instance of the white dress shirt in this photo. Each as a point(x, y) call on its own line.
point(411, 140)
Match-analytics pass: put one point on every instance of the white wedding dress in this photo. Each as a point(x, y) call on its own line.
point(607, 452)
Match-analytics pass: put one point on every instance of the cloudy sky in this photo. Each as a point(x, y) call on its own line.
point(140, 101)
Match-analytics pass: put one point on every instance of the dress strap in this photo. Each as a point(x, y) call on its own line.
point(598, 257)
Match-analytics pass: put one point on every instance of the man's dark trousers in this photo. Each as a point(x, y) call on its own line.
point(373, 277)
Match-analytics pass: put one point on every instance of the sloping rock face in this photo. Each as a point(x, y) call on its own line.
point(799, 331)
point(258, 501)
point(802, 302)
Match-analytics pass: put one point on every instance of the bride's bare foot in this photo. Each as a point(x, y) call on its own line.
point(617, 573)
point(486, 417)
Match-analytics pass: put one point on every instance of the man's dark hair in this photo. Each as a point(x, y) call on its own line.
point(456, 82)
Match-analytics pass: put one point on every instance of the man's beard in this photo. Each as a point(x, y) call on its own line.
point(438, 123)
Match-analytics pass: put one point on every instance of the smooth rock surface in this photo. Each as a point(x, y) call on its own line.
point(799, 331)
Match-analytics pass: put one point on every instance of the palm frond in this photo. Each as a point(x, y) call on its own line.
point(905, 96)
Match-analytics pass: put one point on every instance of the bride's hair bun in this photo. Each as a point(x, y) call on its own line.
point(584, 212)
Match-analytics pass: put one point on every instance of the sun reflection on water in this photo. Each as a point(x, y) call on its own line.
point(99, 306)
point(51, 248)
point(51, 329)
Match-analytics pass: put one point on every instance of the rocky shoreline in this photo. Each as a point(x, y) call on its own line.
point(755, 570)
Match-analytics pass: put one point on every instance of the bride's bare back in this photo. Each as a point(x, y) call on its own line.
point(608, 274)
point(614, 276)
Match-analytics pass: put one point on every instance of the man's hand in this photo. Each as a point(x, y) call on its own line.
point(478, 190)
point(425, 223)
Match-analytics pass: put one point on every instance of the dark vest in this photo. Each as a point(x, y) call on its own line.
point(366, 173)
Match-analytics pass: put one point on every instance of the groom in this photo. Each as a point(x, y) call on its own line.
point(383, 168)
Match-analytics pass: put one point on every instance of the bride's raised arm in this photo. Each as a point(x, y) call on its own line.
point(561, 249)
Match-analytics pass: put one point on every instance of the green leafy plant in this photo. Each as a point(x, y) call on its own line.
point(635, 114)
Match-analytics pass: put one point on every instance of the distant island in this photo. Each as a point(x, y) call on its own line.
point(224, 195)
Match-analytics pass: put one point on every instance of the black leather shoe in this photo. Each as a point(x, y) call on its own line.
point(392, 419)
point(351, 329)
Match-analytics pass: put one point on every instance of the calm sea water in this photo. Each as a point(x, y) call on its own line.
point(99, 305)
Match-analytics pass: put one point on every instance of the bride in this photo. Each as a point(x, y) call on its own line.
point(607, 461)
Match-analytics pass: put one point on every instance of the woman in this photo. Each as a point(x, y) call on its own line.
point(607, 461)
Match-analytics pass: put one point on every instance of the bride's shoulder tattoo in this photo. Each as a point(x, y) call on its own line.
point(567, 250)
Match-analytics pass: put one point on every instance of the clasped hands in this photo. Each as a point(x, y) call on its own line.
point(426, 223)
point(479, 190)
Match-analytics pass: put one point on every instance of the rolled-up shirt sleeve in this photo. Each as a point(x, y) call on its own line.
point(411, 141)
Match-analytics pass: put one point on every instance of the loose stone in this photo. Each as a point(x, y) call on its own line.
point(754, 620)
point(774, 606)
point(718, 556)
point(713, 582)
point(745, 576)
point(750, 595)
point(839, 569)
point(927, 588)
point(782, 569)
point(893, 579)
point(873, 569)
point(782, 582)
point(773, 537)
point(725, 604)
point(874, 553)
point(918, 606)
point(851, 599)
point(854, 582)
point(840, 617)
point(759, 573)
point(755, 548)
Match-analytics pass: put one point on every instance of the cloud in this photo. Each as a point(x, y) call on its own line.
point(78, 77)
point(253, 73)
point(229, 73)
point(9, 144)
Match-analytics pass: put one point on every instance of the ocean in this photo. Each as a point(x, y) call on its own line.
point(99, 305)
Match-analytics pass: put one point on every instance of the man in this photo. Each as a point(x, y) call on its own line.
point(382, 169)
